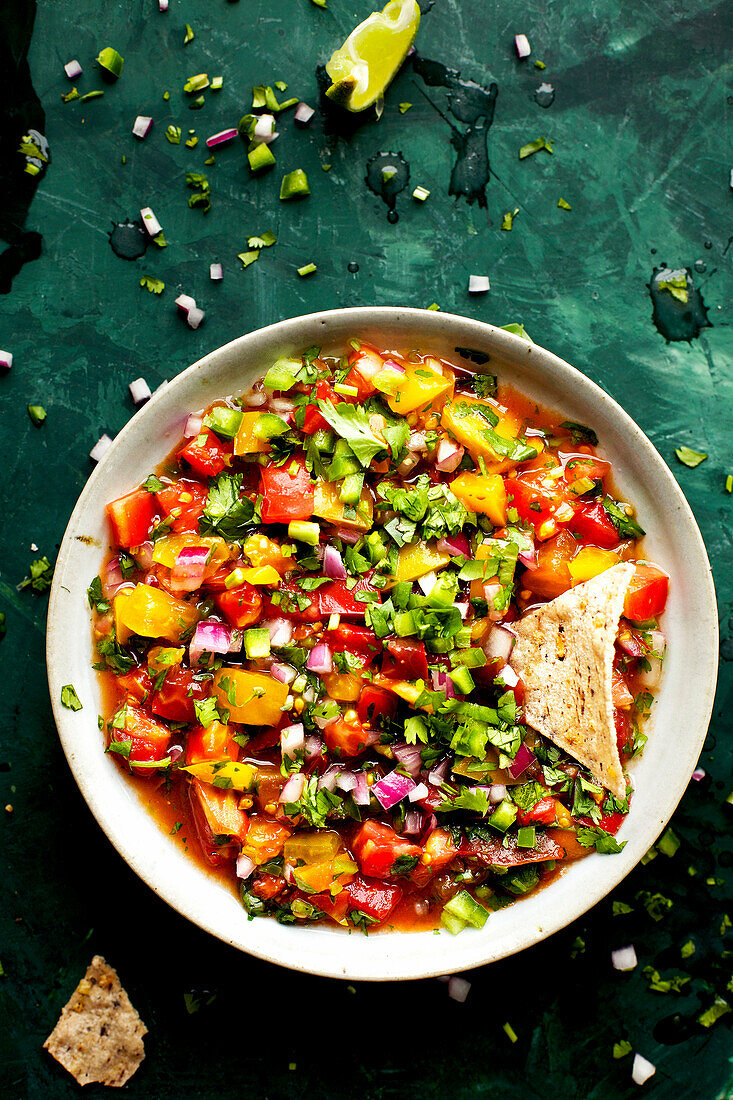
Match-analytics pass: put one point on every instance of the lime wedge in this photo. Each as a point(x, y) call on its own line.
point(370, 57)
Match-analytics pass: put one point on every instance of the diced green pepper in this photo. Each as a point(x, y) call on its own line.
point(462, 680)
point(351, 487)
point(527, 836)
point(304, 531)
point(294, 185)
point(375, 547)
point(344, 462)
point(260, 158)
point(503, 816)
point(453, 924)
point(225, 422)
point(467, 909)
point(283, 374)
point(111, 62)
point(324, 440)
point(257, 642)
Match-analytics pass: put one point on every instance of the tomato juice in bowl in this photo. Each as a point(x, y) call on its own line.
point(531, 371)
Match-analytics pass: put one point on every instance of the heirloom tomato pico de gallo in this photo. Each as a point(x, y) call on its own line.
point(305, 632)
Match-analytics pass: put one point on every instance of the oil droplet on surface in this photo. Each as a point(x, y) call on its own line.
point(128, 240)
point(545, 95)
point(386, 175)
point(674, 319)
point(700, 266)
point(707, 244)
point(353, 267)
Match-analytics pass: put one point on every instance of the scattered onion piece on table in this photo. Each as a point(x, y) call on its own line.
point(642, 1069)
point(100, 448)
point(624, 958)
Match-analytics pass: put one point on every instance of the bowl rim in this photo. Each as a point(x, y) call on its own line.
point(547, 364)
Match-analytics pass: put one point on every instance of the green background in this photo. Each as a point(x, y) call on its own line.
point(642, 152)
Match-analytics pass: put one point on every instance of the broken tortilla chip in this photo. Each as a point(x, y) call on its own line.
point(99, 1036)
point(564, 655)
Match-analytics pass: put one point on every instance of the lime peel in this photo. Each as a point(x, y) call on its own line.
point(369, 59)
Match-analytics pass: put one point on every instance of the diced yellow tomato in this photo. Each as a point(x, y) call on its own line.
point(226, 774)
point(263, 551)
point(483, 493)
point(265, 839)
point(480, 630)
point(221, 810)
point(212, 742)
point(315, 847)
point(161, 658)
point(343, 686)
point(151, 613)
point(589, 562)
point(418, 558)
point(168, 548)
point(252, 698)
point(402, 688)
point(261, 574)
point(246, 442)
point(465, 422)
point(422, 383)
point(328, 506)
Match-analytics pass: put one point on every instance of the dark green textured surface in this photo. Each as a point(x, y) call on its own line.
point(642, 153)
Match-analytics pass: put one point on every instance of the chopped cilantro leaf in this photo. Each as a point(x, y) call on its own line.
point(352, 424)
point(226, 513)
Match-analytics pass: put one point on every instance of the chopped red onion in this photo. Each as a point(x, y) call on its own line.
point(216, 272)
point(418, 793)
point(327, 781)
point(175, 752)
point(210, 637)
point(73, 69)
point(185, 303)
point(195, 317)
point(521, 761)
point(144, 555)
point(458, 989)
point(478, 284)
point(448, 457)
point(347, 534)
point(455, 545)
point(100, 448)
point(320, 659)
point(497, 793)
point(642, 1069)
point(264, 131)
point(508, 677)
point(499, 644)
point(281, 632)
point(392, 789)
point(139, 391)
point(523, 47)
point(409, 757)
point(6, 360)
point(281, 405)
point(150, 222)
point(417, 443)
point(428, 581)
point(413, 822)
point(625, 958)
point(222, 138)
point(323, 722)
point(189, 567)
point(244, 865)
point(650, 676)
point(285, 674)
point(293, 789)
point(361, 793)
point(142, 126)
point(313, 747)
point(333, 564)
point(303, 114)
point(528, 558)
point(442, 682)
point(462, 608)
point(346, 781)
point(698, 774)
point(255, 400)
point(193, 425)
point(439, 773)
point(292, 740)
point(113, 579)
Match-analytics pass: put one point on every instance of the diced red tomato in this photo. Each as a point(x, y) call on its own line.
point(405, 659)
point(131, 517)
point(354, 639)
point(622, 722)
point(334, 907)
point(322, 391)
point(581, 465)
point(646, 596)
point(375, 701)
point(543, 813)
point(149, 738)
point(240, 606)
point(376, 848)
point(137, 684)
point(365, 364)
point(552, 577)
point(185, 502)
point(507, 853)
point(330, 598)
point(536, 496)
point(345, 738)
point(268, 886)
point(214, 742)
point(440, 851)
point(287, 492)
point(209, 456)
point(176, 695)
point(591, 522)
point(610, 823)
point(217, 808)
point(377, 900)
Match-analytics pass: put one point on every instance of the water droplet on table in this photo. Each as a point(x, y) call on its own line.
point(545, 95)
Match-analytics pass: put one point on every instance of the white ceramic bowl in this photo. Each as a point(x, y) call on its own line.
point(659, 776)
